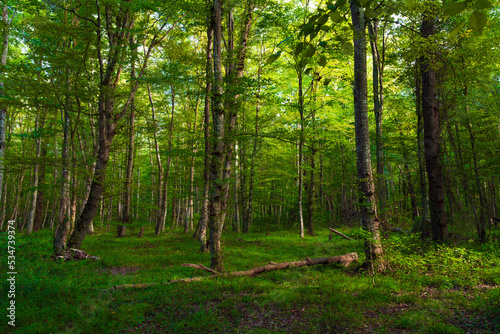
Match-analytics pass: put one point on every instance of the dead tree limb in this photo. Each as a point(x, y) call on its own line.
point(344, 260)
point(337, 232)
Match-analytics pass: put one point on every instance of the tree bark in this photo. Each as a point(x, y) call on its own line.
point(368, 206)
point(127, 194)
point(432, 131)
point(203, 223)
point(158, 216)
point(378, 108)
point(64, 224)
point(481, 224)
point(3, 109)
point(217, 153)
point(301, 155)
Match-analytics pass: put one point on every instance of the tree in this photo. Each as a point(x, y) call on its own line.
point(3, 110)
point(367, 202)
point(432, 132)
point(110, 68)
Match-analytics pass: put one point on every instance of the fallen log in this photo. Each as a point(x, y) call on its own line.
point(337, 232)
point(344, 260)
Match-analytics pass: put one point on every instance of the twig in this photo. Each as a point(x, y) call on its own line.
point(199, 266)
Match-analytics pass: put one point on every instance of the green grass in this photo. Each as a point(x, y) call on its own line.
point(430, 289)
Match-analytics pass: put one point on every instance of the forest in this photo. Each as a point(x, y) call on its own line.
point(253, 166)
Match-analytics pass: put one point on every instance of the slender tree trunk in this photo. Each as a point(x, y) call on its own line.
point(249, 209)
point(127, 194)
point(368, 206)
point(236, 219)
point(3, 108)
point(311, 205)
point(40, 200)
point(378, 107)
point(31, 219)
point(206, 132)
point(301, 155)
point(164, 203)
point(159, 213)
point(64, 223)
point(481, 224)
point(430, 112)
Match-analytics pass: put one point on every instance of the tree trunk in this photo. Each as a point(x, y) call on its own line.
point(481, 224)
point(430, 112)
point(203, 223)
point(367, 200)
point(223, 143)
point(217, 153)
point(247, 222)
point(378, 108)
point(127, 194)
point(3, 109)
point(31, 219)
point(166, 174)
point(64, 223)
point(159, 192)
point(301, 149)
point(422, 225)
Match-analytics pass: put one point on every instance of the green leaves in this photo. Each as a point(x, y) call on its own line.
point(273, 58)
point(455, 8)
point(410, 4)
point(335, 17)
point(457, 29)
point(322, 61)
point(478, 20)
point(483, 4)
point(347, 48)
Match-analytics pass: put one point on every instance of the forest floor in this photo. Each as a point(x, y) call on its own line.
point(429, 289)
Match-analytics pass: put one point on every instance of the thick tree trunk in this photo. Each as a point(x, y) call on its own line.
point(368, 206)
point(430, 112)
point(423, 224)
point(217, 153)
point(223, 143)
